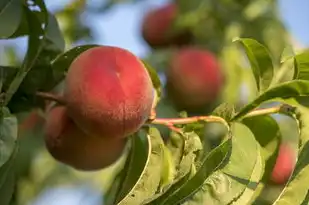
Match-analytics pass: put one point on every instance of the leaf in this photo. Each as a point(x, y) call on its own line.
point(35, 45)
point(10, 17)
point(154, 78)
point(62, 63)
point(149, 181)
point(252, 186)
point(176, 146)
point(301, 66)
point(179, 192)
point(192, 145)
point(287, 53)
point(286, 90)
point(225, 110)
point(135, 165)
point(260, 61)
point(23, 28)
point(8, 135)
point(7, 179)
point(296, 189)
point(168, 168)
point(6, 76)
point(269, 140)
point(243, 171)
point(54, 35)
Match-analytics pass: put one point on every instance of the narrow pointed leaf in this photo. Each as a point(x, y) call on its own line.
point(301, 66)
point(260, 61)
point(150, 178)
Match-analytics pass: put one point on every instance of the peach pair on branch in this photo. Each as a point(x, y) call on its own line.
point(108, 95)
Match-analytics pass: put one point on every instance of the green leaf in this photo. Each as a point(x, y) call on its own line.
point(168, 168)
point(135, 165)
point(35, 45)
point(8, 135)
point(269, 140)
point(6, 76)
point(301, 66)
point(10, 17)
point(225, 110)
point(154, 78)
point(192, 145)
point(62, 63)
point(8, 179)
point(286, 90)
point(242, 172)
point(149, 181)
point(23, 28)
point(53, 34)
point(252, 187)
point(176, 146)
point(260, 61)
point(287, 53)
point(180, 191)
point(296, 189)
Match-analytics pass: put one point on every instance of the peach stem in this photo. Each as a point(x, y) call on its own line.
point(52, 97)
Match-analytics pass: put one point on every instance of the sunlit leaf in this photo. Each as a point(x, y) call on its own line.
point(296, 189)
point(301, 66)
point(242, 172)
point(180, 191)
point(260, 61)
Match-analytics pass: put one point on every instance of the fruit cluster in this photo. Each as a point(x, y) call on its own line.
point(108, 95)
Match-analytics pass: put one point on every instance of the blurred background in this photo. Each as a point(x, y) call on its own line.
point(213, 25)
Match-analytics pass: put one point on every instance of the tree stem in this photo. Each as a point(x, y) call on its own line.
point(171, 122)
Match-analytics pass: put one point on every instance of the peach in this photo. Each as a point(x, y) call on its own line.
point(284, 165)
point(156, 27)
point(109, 92)
point(194, 78)
point(70, 145)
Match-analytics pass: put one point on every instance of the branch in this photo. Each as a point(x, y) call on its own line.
point(171, 122)
point(264, 111)
point(52, 97)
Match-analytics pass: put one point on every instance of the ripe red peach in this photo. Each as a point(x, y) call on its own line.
point(109, 92)
point(156, 27)
point(284, 165)
point(70, 145)
point(194, 79)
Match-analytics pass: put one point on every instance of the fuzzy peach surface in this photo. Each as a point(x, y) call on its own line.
point(70, 145)
point(109, 92)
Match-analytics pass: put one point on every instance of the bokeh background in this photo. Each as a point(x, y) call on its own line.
point(116, 23)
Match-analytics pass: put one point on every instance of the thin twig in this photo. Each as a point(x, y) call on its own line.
point(264, 111)
point(52, 97)
point(171, 122)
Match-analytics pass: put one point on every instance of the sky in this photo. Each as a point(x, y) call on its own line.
point(120, 26)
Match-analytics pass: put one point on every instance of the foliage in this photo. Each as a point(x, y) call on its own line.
point(179, 159)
